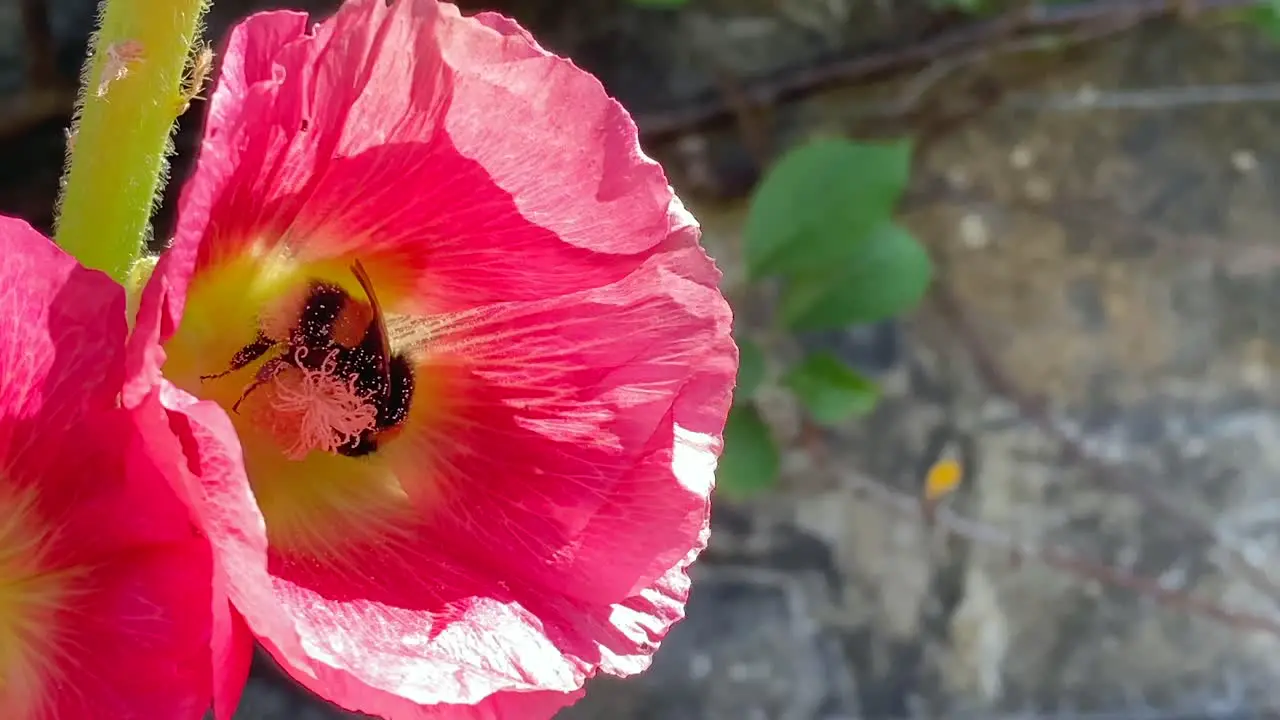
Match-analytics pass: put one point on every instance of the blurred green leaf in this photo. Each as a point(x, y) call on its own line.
point(751, 369)
point(749, 463)
point(1266, 17)
point(817, 204)
point(889, 275)
point(986, 7)
point(831, 391)
point(660, 3)
point(967, 6)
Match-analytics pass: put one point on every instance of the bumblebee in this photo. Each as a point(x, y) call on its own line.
point(325, 329)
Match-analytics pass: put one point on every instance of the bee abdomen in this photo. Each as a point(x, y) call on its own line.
point(394, 409)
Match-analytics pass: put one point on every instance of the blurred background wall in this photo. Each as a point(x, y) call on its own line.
point(1096, 184)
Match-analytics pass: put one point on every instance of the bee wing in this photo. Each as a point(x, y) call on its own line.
point(379, 321)
point(410, 333)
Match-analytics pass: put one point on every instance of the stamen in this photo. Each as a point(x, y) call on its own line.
point(31, 597)
point(315, 409)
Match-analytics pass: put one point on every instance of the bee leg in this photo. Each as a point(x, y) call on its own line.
point(245, 355)
point(269, 370)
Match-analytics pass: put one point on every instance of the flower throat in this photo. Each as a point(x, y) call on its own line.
point(333, 383)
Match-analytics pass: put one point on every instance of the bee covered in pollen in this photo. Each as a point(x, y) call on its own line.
point(334, 381)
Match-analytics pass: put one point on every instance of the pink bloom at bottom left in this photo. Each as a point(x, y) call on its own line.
point(108, 608)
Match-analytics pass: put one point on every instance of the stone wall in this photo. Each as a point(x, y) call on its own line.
point(1100, 355)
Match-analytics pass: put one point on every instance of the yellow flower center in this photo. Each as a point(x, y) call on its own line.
point(298, 415)
point(31, 597)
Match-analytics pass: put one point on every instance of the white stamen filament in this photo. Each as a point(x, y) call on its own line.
point(317, 409)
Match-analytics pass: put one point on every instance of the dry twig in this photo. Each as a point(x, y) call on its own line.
point(968, 42)
point(1036, 412)
point(939, 515)
point(864, 67)
point(41, 54)
point(43, 96)
point(1070, 563)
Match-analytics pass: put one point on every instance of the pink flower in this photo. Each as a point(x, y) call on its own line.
point(107, 605)
point(509, 504)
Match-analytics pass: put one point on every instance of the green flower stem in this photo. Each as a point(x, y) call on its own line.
point(137, 83)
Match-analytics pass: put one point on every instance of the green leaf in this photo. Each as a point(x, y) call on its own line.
point(818, 203)
point(1266, 17)
point(831, 391)
point(889, 275)
point(749, 463)
point(967, 6)
point(751, 370)
point(660, 3)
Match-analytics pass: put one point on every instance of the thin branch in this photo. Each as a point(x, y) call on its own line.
point(939, 515)
point(1154, 98)
point(32, 107)
point(753, 123)
point(971, 40)
point(1035, 412)
point(918, 87)
point(789, 84)
point(1070, 563)
point(41, 54)
point(43, 97)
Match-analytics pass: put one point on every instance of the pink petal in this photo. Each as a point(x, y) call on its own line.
point(422, 637)
point(197, 441)
point(607, 406)
point(63, 335)
point(142, 638)
point(133, 636)
point(340, 142)
point(496, 191)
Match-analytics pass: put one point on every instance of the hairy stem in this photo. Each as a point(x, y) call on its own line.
point(135, 86)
